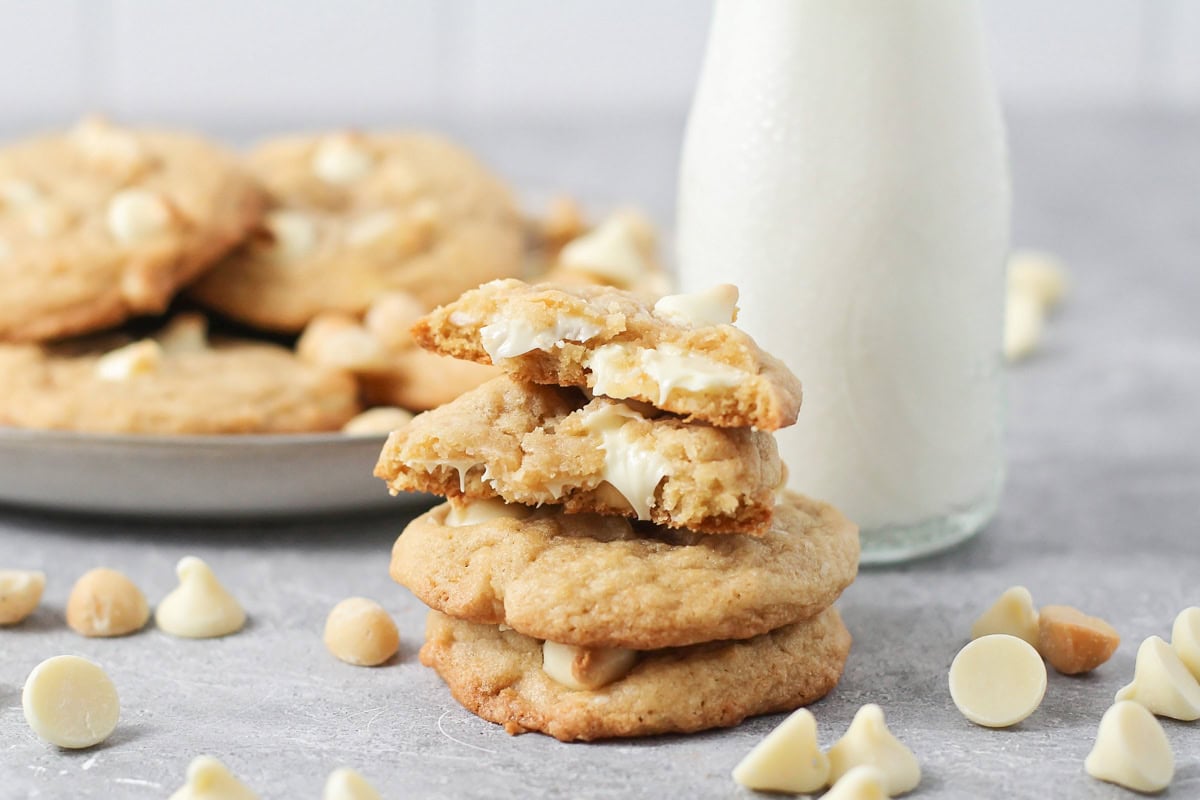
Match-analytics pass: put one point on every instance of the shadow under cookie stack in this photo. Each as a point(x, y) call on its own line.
point(618, 556)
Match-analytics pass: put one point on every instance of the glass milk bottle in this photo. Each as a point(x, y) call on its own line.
point(845, 165)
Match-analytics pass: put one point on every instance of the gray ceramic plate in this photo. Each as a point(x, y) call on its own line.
point(194, 476)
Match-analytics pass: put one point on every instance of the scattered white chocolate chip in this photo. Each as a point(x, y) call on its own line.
point(103, 143)
point(185, 333)
point(103, 603)
point(16, 193)
point(609, 252)
point(391, 316)
point(209, 779)
point(1185, 638)
point(374, 421)
point(715, 306)
point(1072, 641)
point(70, 702)
point(341, 159)
point(135, 215)
point(1023, 322)
point(997, 680)
point(1162, 683)
point(334, 340)
point(1038, 275)
point(787, 760)
point(1012, 613)
point(586, 668)
point(199, 607)
point(1131, 750)
point(371, 227)
point(346, 784)
point(360, 632)
point(861, 783)
point(142, 357)
point(293, 234)
point(473, 512)
point(869, 742)
point(633, 469)
point(20, 593)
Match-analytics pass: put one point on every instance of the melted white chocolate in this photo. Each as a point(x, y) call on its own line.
point(507, 338)
point(633, 470)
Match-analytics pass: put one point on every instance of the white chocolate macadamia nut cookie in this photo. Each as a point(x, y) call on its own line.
point(70, 702)
point(20, 593)
point(199, 607)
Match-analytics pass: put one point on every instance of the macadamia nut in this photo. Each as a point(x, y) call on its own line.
point(1072, 641)
point(104, 603)
point(360, 632)
point(586, 668)
point(20, 593)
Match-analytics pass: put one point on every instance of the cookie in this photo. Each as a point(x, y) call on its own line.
point(498, 675)
point(356, 215)
point(681, 354)
point(175, 383)
point(102, 223)
point(535, 444)
point(595, 581)
point(390, 368)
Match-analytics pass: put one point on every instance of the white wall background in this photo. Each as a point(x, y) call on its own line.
point(255, 63)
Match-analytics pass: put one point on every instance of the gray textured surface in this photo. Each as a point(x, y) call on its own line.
point(1102, 511)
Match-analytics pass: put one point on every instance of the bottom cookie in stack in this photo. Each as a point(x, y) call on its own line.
point(586, 627)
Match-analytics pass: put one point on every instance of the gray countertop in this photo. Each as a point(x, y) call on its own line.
point(1101, 510)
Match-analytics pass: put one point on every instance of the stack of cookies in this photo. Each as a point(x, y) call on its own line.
point(618, 556)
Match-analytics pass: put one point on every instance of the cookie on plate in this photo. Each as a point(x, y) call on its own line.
point(102, 223)
point(499, 675)
point(174, 383)
point(534, 444)
point(593, 581)
point(682, 354)
point(390, 368)
point(356, 215)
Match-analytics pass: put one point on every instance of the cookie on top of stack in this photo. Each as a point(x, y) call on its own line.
point(618, 556)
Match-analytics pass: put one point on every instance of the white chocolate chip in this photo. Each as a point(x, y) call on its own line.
point(1162, 683)
point(860, 783)
point(391, 316)
point(1039, 276)
point(1131, 750)
point(997, 680)
point(209, 779)
point(333, 340)
point(373, 226)
point(199, 607)
point(1023, 319)
point(293, 234)
point(631, 468)
point(609, 252)
point(474, 512)
point(142, 357)
point(346, 784)
point(359, 631)
point(102, 143)
point(586, 668)
point(869, 742)
point(70, 702)
point(16, 193)
point(616, 367)
point(20, 593)
point(374, 421)
point(135, 215)
point(511, 337)
point(1012, 613)
point(1185, 638)
point(715, 306)
point(341, 159)
point(640, 229)
point(185, 333)
point(787, 760)
point(104, 603)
